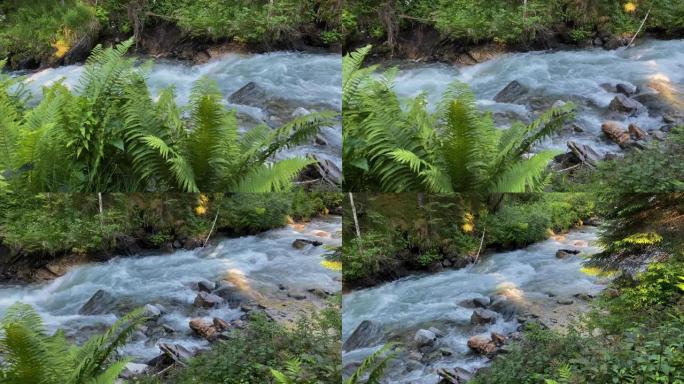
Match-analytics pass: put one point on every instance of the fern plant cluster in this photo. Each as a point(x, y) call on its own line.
point(396, 146)
point(30, 355)
point(110, 134)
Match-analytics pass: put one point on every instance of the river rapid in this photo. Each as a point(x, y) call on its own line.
point(266, 264)
point(532, 277)
point(587, 77)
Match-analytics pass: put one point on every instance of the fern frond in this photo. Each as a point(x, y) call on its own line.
point(525, 175)
point(272, 178)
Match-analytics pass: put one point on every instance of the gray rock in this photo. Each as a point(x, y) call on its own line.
point(151, 311)
point(503, 305)
point(302, 243)
point(482, 302)
point(100, 303)
point(483, 316)
point(511, 93)
point(446, 351)
point(207, 300)
point(367, 334)
point(625, 89)
point(436, 331)
point(424, 338)
point(300, 111)
point(132, 370)
point(659, 135)
point(296, 295)
point(413, 365)
point(250, 94)
point(558, 104)
point(565, 301)
point(622, 103)
point(563, 253)
point(205, 286)
point(232, 296)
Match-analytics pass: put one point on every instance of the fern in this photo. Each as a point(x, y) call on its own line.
point(394, 146)
point(110, 135)
point(374, 366)
point(29, 355)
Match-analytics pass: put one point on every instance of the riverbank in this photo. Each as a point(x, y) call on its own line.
point(455, 309)
point(275, 283)
point(399, 240)
point(462, 32)
point(47, 35)
point(41, 237)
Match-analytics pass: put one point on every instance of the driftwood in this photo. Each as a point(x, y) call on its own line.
point(176, 352)
point(584, 153)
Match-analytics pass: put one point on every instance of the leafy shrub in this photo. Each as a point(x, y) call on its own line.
point(366, 256)
point(250, 353)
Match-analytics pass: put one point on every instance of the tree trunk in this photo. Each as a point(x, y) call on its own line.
point(99, 203)
point(356, 219)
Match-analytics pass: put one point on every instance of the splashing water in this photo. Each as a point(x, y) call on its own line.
point(564, 75)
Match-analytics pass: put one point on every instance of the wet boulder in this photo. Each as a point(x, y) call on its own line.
point(483, 316)
point(302, 243)
point(482, 302)
point(231, 295)
point(624, 104)
point(626, 89)
point(367, 334)
point(220, 324)
point(563, 253)
point(616, 133)
point(512, 93)
point(205, 286)
point(207, 300)
point(498, 338)
point(482, 345)
point(505, 306)
point(203, 329)
point(424, 338)
point(152, 311)
point(250, 94)
point(100, 303)
point(636, 133)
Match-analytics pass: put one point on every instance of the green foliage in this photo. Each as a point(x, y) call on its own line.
point(411, 231)
point(309, 353)
point(652, 170)
point(530, 220)
point(35, 30)
point(48, 225)
point(647, 352)
point(506, 22)
point(373, 366)
point(389, 147)
point(112, 136)
point(30, 355)
point(366, 256)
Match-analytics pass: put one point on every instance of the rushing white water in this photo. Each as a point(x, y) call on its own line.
point(266, 261)
point(403, 306)
point(313, 81)
point(561, 75)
